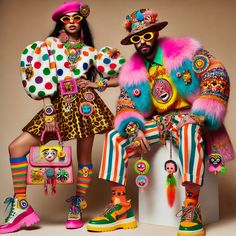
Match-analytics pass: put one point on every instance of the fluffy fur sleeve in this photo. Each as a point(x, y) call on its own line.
point(214, 89)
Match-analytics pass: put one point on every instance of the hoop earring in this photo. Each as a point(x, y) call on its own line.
point(63, 36)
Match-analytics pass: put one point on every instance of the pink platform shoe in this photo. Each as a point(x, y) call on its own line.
point(74, 220)
point(21, 213)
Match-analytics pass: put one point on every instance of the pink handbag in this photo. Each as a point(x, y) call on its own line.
point(50, 165)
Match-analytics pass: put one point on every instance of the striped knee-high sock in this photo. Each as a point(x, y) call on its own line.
point(19, 167)
point(83, 179)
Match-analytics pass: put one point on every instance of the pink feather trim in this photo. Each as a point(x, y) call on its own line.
point(176, 50)
point(126, 115)
point(211, 107)
point(133, 72)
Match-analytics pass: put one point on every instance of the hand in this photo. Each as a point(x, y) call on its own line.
point(83, 83)
point(144, 144)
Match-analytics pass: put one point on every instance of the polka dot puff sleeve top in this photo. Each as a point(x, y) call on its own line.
point(44, 64)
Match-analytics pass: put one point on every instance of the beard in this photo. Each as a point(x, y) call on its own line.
point(146, 50)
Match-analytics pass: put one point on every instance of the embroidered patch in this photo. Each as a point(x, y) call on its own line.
point(216, 82)
point(85, 171)
point(162, 91)
point(187, 78)
point(86, 108)
point(89, 96)
point(23, 204)
point(200, 63)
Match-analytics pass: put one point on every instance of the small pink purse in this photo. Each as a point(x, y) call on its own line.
point(50, 165)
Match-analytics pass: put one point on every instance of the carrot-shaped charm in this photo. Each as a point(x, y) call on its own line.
point(171, 168)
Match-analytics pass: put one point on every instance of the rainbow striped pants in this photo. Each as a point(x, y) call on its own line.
point(187, 138)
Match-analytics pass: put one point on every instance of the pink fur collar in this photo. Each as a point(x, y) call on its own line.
point(175, 51)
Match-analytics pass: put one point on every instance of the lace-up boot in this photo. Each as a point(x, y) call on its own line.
point(74, 220)
point(117, 215)
point(191, 220)
point(21, 213)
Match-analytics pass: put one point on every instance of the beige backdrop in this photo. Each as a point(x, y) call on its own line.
point(22, 22)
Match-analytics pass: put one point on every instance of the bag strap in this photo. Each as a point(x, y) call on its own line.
point(57, 133)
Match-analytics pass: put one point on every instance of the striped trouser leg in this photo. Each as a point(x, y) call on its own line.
point(191, 154)
point(115, 158)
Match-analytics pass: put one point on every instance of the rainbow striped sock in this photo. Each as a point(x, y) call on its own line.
point(19, 167)
point(83, 179)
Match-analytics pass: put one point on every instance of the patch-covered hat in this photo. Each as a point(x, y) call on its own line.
point(67, 7)
point(140, 20)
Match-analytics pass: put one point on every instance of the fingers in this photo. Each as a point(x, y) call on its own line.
point(145, 147)
point(146, 144)
point(83, 83)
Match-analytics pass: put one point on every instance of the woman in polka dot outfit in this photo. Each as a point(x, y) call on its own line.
point(61, 71)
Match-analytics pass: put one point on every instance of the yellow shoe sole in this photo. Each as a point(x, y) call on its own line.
point(122, 224)
point(198, 233)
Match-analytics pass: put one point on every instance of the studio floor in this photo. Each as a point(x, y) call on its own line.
point(222, 227)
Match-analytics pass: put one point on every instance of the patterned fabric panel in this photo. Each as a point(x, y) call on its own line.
point(214, 78)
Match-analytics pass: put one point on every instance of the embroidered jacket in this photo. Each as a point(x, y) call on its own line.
point(45, 64)
point(206, 88)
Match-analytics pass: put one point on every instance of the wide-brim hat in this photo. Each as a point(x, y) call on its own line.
point(141, 20)
point(68, 7)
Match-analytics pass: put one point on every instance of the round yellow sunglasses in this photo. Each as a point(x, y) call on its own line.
point(137, 38)
point(67, 19)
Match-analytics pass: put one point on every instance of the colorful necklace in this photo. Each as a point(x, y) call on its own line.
point(74, 51)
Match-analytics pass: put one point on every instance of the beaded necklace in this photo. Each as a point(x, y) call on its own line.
point(74, 51)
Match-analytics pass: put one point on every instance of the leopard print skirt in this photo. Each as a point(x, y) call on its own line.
point(74, 118)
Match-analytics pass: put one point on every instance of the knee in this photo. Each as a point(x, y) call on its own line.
point(13, 148)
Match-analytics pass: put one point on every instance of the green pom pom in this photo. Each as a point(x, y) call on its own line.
point(223, 170)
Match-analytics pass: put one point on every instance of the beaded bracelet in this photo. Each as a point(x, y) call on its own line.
point(132, 129)
point(102, 84)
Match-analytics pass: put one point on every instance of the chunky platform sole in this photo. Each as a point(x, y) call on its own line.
point(28, 220)
point(129, 223)
point(189, 233)
point(74, 224)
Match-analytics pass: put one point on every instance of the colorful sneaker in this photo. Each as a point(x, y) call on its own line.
point(20, 213)
point(116, 216)
point(74, 220)
point(191, 220)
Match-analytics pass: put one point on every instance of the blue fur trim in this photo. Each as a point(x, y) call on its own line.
point(185, 89)
point(123, 125)
point(210, 122)
point(142, 102)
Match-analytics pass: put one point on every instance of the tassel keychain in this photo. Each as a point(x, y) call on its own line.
point(171, 168)
point(50, 179)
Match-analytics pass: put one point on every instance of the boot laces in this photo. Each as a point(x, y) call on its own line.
point(187, 213)
point(75, 207)
point(109, 208)
point(10, 203)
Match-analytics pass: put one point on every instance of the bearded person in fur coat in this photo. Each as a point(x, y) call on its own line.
point(171, 89)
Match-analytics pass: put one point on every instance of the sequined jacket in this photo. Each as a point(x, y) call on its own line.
point(207, 92)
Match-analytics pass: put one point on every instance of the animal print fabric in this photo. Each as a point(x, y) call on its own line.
point(74, 124)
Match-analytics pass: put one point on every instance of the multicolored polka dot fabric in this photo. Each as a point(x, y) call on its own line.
point(109, 61)
point(44, 64)
point(43, 80)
